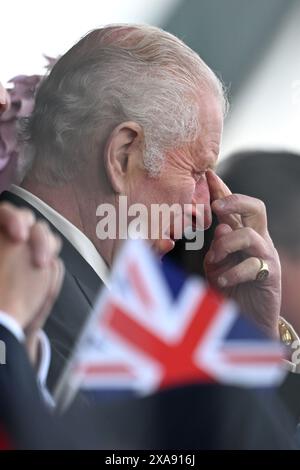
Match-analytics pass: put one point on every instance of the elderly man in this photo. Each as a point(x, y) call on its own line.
point(132, 111)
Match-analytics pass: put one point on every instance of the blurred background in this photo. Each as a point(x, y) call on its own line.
point(253, 45)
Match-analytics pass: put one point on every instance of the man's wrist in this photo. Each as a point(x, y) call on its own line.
point(13, 307)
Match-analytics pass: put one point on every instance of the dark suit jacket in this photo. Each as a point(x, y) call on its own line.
point(79, 290)
point(23, 415)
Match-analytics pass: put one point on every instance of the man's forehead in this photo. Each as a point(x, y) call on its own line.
point(206, 147)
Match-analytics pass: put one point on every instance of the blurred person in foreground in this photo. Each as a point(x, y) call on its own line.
point(31, 275)
point(130, 110)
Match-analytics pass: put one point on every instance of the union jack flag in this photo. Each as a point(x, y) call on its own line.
point(155, 328)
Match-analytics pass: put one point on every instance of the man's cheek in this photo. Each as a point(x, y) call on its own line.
point(202, 196)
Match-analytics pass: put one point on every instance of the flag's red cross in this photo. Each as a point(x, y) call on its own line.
point(176, 359)
point(135, 276)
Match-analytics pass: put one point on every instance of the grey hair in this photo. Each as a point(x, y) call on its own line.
point(114, 74)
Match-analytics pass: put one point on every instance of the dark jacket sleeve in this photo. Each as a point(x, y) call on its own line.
point(203, 417)
point(23, 414)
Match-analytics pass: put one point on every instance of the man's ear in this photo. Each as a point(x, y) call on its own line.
point(123, 147)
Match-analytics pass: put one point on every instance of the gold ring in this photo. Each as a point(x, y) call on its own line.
point(263, 271)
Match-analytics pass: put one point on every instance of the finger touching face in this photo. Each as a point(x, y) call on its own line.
point(218, 192)
point(236, 210)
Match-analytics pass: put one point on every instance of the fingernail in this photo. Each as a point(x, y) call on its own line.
point(222, 281)
point(220, 203)
point(210, 257)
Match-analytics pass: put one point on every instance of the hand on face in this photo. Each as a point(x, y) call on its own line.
point(31, 273)
point(232, 263)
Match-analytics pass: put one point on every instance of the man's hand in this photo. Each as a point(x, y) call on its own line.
point(31, 273)
point(232, 262)
point(26, 291)
point(17, 224)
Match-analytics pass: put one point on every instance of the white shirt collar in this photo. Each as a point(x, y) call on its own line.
point(11, 325)
point(81, 242)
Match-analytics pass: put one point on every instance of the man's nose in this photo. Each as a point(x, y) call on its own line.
point(202, 196)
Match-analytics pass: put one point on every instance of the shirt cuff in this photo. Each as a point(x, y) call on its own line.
point(43, 367)
point(45, 353)
point(291, 340)
point(12, 325)
point(45, 356)
point(290, 366)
